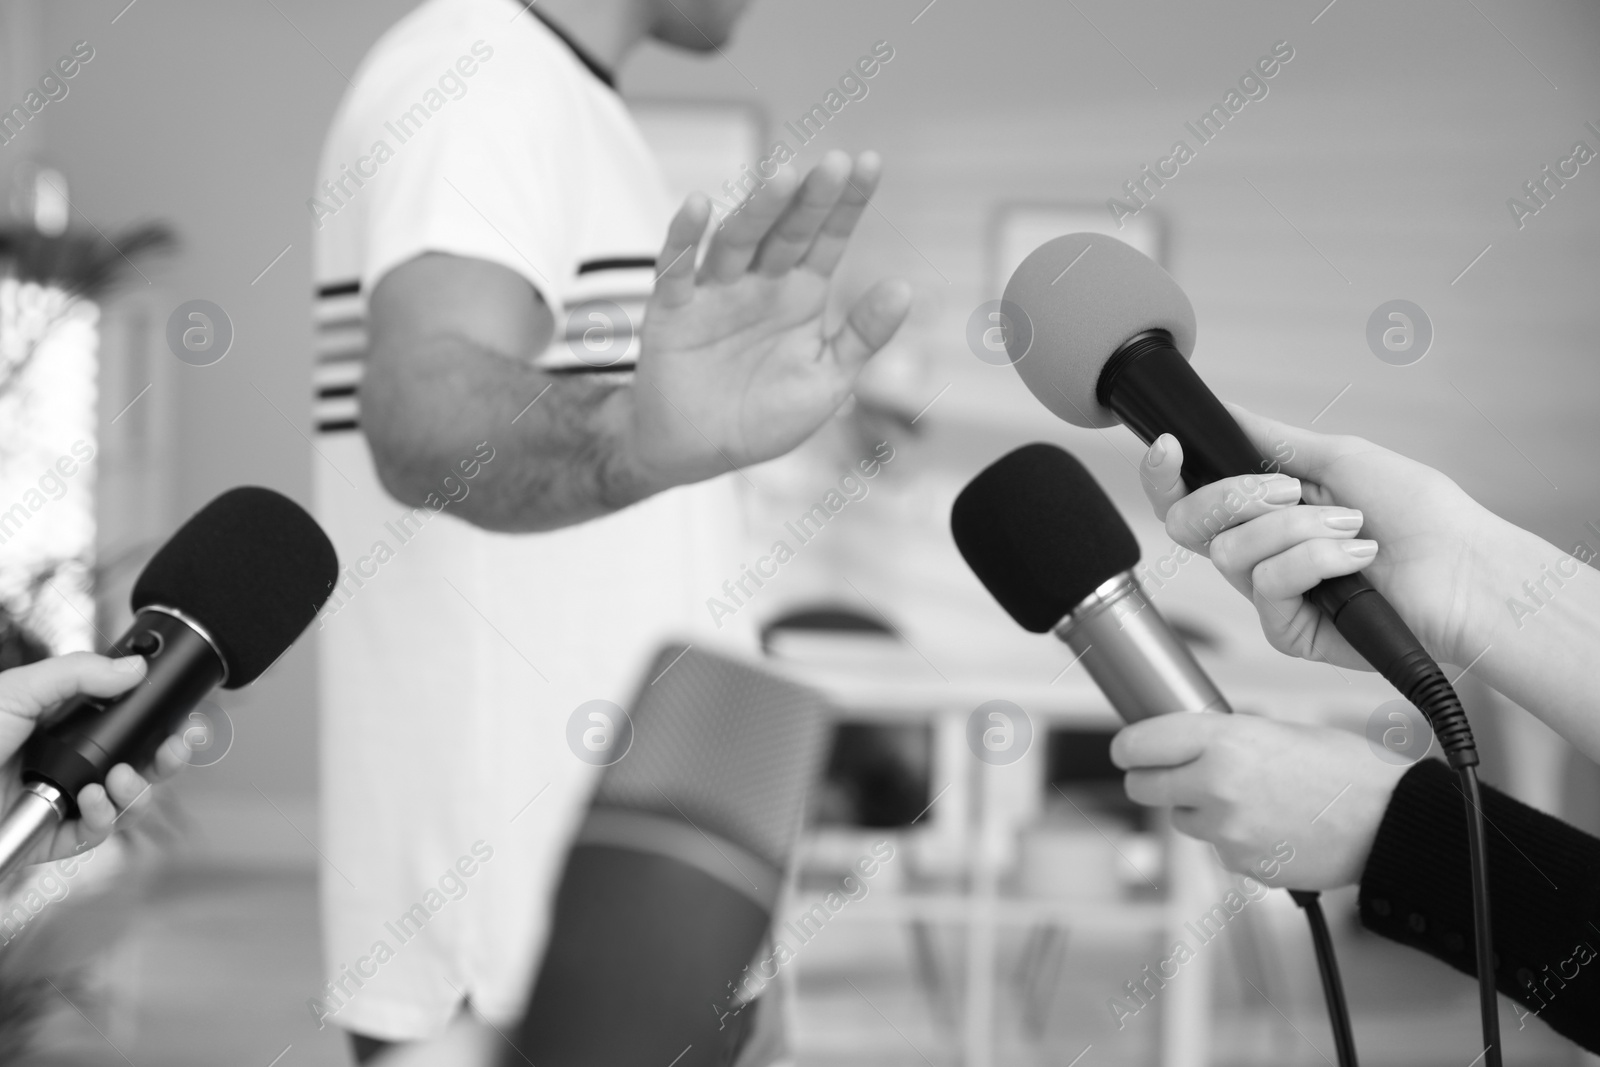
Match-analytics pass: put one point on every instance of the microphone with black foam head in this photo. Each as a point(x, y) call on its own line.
point(670, 887)
point(216, 605)
point(1050, 546)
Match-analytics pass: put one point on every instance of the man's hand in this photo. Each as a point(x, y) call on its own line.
point(1245, 783)
point(736, 366)
point(1428, 546)
point(27, 693)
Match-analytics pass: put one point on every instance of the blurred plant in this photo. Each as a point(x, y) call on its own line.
point(24, 1007)
point(67, 269)
point(55, 973)
point(46, 280)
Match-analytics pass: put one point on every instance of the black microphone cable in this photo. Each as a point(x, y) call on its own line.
point(1419, 678)
point(1344, 1038)
point(1464, 758)
point(1444, 711)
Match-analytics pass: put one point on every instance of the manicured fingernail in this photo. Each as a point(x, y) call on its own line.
point(1360, 549)
point(1158, 452)
point(129, 664)
point(1342, 519)
point(1282, 489)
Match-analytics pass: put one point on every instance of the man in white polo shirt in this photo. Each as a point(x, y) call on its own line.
point(529, 397)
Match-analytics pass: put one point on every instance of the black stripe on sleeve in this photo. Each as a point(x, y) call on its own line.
point(617, 263)
point(349, 288)
point(337, 426)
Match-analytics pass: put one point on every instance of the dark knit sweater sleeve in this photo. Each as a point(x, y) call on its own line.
point(1544, 894)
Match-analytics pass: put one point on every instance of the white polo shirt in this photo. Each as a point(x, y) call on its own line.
point(451, 657)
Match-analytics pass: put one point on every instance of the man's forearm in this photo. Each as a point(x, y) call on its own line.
point(562, 442)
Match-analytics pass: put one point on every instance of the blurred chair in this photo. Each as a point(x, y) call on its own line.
point(878, 773)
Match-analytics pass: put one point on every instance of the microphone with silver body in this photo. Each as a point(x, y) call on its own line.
point(1130, 651)
point(1048, 543)
point(1038, 531)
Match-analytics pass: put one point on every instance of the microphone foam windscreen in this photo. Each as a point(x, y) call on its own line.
point(1040, 534)
point(1085, 295)
point(252, 568)
point(727, 746)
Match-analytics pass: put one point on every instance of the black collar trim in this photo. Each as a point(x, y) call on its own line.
point(594, 65)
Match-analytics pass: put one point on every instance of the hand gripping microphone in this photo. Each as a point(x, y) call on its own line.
point(669, 890)
point(1050, 546)
point(1047, 542)
point(1109, 339)
point(216, 605)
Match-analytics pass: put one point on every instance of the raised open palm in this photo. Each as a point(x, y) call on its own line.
point(736, 365)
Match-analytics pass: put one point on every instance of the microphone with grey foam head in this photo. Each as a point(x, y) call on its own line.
point(670, 888)
point(1050, 546)
point(1102, 334)
point(1092, 308)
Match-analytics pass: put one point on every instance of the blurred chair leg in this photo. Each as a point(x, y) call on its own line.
point(1039, 975)
point(1185, 1014)
point(930, 974)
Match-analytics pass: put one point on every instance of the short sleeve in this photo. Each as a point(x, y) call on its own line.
point(491, 176)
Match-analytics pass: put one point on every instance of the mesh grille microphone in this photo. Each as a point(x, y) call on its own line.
point(216, 605)
point(1050, 546)
point(725, 747)
point(670, 888)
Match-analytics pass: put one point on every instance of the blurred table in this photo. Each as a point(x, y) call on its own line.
point(976, 814)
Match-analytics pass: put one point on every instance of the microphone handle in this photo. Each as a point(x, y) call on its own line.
point(1142, 666)
point(79, 742)
point(82, 740)
point(1154, 390)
